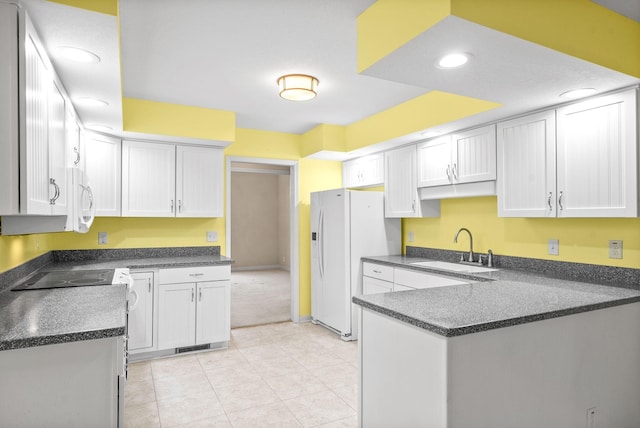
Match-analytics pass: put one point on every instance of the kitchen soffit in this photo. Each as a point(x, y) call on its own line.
point(190, 53)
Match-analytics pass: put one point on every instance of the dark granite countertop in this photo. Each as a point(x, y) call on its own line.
point(491, 300)
point(41, 317)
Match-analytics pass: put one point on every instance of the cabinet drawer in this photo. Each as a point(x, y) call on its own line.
point(194, 274)
point(398, 287)
point(374, 270)
point(373, 285)
point(416, 279)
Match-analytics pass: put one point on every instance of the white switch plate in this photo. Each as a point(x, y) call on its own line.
point(212, 236)
point(410, 236)
point(554, 247)
point(103, 238)
point(615, 249)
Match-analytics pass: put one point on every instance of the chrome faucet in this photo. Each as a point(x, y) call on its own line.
point(455, 240)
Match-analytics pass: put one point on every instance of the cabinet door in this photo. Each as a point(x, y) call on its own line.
point(57, 152)
point(199, 178)
point(74, 154)
point(103, 163)
point(434, 162)
point(148, 179)
point(213, 316)
point(34, 179)
point(527, 166)
point(597, 157)
point(400, 190)
point(176, 315)
point(365, 171)
point(351, 173)
point(141, 314)
point(474, 155)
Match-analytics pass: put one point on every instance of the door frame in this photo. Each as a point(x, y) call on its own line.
point(294, 270)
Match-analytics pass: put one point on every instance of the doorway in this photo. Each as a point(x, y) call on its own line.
point(261, 232)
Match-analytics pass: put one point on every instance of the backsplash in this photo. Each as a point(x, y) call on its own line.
point(609, 275)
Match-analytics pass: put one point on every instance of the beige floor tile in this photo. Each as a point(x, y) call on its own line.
point(320, 408)
point(262, 352)
point(245, 395)
point(221, 358)
point(190, 408)
point(337, 376)
point(351, 422)
point(139, 392)
point(232, 375)
point(178, 386)
point(295, 385)
point(175, 366)
point(347, 351)
point(142, 416)
point(219, 421)
point(270, 415)
point(280, 366)
point(140, 371)
point(317, 359)
point(349, 394)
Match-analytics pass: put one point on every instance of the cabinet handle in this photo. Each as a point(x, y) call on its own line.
point(377, 271)
point(193, 295)
point(179, 205)
point(413, 205)
point(196, 274)
point(149, 282)
point(171, 205)
point(200, 295)
point(77, 152)
point(447, 171)
point(56, 188)
point(560, 201)
point(549, 201)
point(454, 171)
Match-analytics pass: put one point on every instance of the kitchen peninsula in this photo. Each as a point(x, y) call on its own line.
point(506, 349)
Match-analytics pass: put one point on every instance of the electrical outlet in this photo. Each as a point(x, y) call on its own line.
point(212, 236)
point(102, 238)
point(615, 249)
point(411, 236)
point(553, 247)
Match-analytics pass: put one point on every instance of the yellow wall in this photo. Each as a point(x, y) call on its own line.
point(581, 240)
point(15, 250)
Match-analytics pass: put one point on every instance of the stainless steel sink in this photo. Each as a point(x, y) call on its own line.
point(454, 267)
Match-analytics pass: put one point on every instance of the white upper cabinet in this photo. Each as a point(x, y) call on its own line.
point(527, 166)
point(74, 148)
point(434, 162)
point(580, 160)
point(400, 186)
point(165, 180)
point(365, 171)
point(199, 181)
point(148, 179)
point(597, 157)
point(103, 159)
point(474, 155)
point(57, 151)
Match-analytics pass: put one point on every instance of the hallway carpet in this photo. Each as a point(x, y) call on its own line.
point(260, 297)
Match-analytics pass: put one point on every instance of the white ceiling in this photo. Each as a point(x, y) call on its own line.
point(227, 55)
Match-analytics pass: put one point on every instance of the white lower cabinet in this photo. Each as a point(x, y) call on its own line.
point(377, 278)
point(141, 310)
point(193, 306)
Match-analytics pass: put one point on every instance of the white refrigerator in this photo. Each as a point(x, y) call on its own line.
point(345, 226)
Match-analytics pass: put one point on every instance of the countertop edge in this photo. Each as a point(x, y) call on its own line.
point(33, 342)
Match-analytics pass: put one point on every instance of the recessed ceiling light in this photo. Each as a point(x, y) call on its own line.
point(79, 55)
point(98, 127)
point(91, 102)
point(578, 93)
point(454, 60)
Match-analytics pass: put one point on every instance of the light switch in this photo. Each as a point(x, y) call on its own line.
point(212, 236)
point(615, 249)
point(102, 238)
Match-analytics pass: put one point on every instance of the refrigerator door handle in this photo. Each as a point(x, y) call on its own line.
point(321, 243)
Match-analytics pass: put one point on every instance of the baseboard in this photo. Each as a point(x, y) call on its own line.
point(306, 318)
point(250, 268)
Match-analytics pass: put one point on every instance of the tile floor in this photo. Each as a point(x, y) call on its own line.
point(276, 375)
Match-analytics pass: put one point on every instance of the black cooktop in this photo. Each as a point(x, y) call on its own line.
point(66, 278)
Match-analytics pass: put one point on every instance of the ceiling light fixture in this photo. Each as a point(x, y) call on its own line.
point(298, 87)
point(454, 60)
point(578, 93)
point(79, 55)
point(91, 102)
